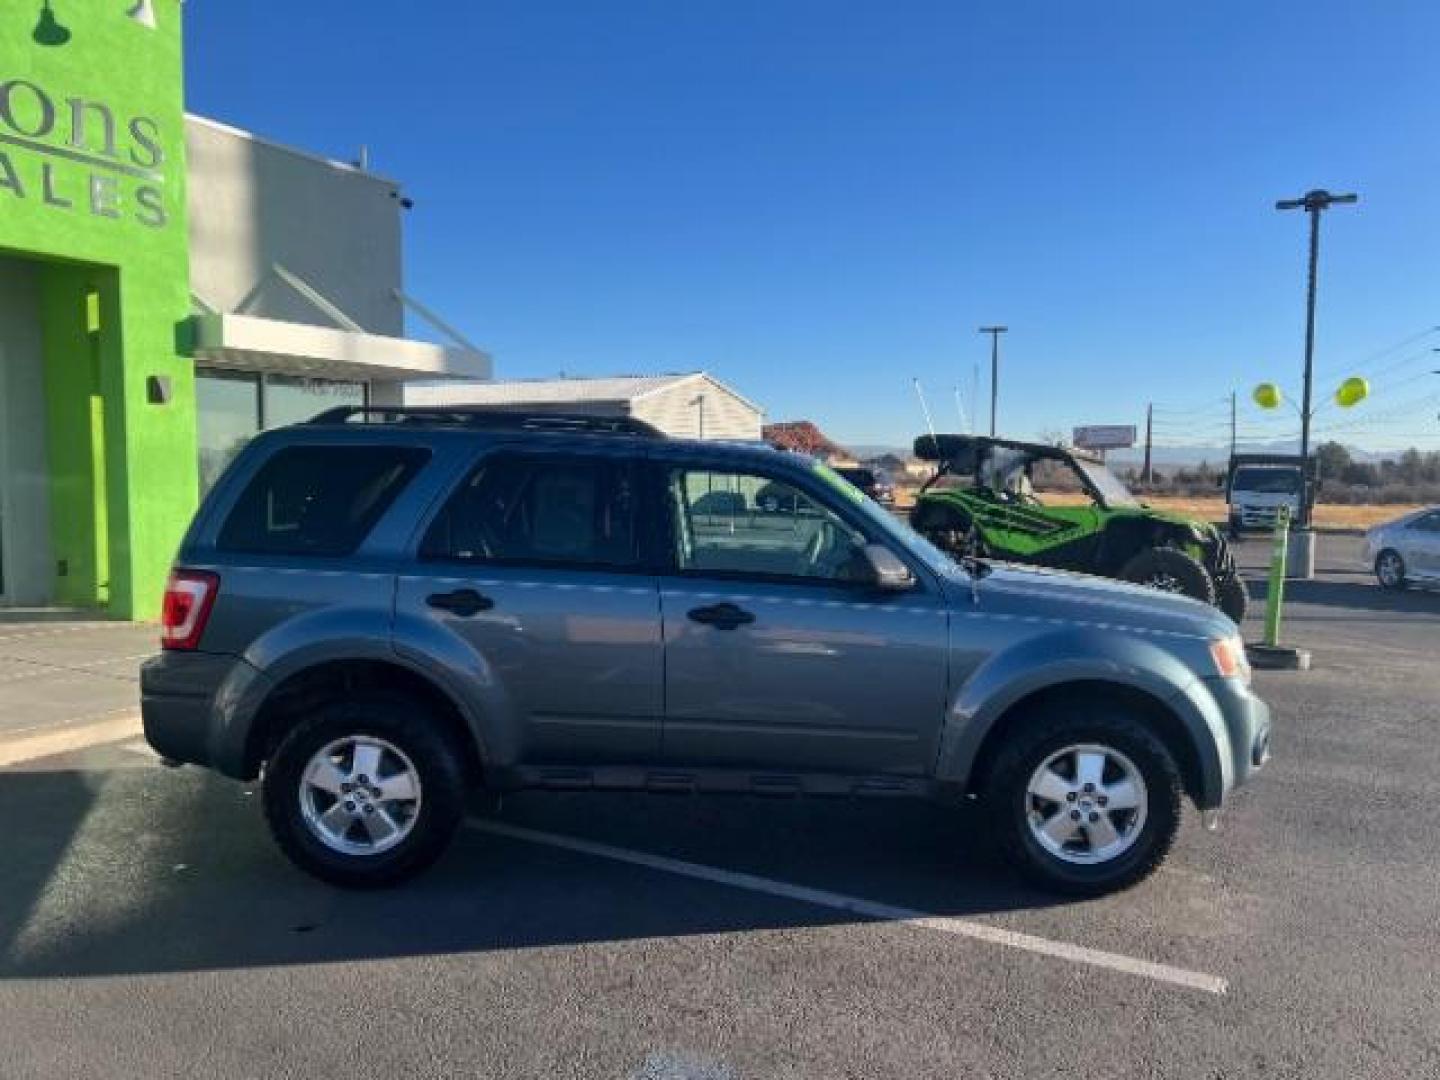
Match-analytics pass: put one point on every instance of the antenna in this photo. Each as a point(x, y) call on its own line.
point(960, 408)
point(974, 391)
point(920, 393)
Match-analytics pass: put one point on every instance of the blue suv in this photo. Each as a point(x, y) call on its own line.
point(382, 609)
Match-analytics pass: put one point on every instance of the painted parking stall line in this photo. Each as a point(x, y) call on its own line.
point(870, 909)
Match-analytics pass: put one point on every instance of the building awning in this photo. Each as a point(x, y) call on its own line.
point(249, 343)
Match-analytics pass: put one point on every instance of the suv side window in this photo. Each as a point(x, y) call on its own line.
point(541, 509)
point(747, 525)
point(318, 500)
point(1428, 522)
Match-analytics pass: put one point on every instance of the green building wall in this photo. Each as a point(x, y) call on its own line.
point(100, 204)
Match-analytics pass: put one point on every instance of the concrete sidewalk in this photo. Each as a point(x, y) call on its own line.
point(62, 669)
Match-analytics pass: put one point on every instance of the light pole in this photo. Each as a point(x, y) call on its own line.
point(699, 402)
point(1313, 203)
point(994, 332)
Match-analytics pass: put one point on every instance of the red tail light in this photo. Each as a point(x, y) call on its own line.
point(189, 596)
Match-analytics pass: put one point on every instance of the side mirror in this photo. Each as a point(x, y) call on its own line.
point(888, 572)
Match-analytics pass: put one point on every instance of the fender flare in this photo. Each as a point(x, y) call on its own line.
point(339, 636)
point(1076, 655)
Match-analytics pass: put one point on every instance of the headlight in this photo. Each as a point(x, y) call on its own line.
point(1229, 656)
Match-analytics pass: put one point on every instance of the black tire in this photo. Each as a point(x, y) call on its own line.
point(1232, 597)
point(944, 526)
point(1170, 570)
point(405, 724)
point(1390, 578)
point(1009, 803)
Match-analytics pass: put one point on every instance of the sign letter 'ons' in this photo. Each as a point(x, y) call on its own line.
point(76, 154)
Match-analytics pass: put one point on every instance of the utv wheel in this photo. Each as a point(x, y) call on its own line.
point(366, 793)
point(1084, 805)
point(1172, 571)
point(1390, 569)
point(943, 526)
point(1232, 597)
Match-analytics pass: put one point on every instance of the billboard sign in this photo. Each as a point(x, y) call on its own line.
point(1105, 437)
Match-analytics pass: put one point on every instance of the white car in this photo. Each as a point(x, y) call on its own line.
point(1406, 551)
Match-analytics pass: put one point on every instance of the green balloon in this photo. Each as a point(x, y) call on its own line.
point(1267, 395)
point(1351, 392)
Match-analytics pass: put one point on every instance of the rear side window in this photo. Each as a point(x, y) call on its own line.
point(318, 500)
point(544, 509)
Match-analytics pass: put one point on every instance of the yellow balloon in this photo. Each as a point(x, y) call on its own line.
point(1267, 396)
point(1352, 391)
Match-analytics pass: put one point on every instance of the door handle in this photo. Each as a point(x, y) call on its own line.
point(725, 616)
point(462, 602)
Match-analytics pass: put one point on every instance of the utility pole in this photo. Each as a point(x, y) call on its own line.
point(1313, 203)
point(1232, 425)
point(699, 401)
point(994, 332)
point(1149, 440)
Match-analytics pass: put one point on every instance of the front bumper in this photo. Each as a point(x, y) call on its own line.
point(1247, 720)
point(1256, 517)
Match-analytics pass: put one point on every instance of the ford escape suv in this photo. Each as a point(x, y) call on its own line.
point(381, 609)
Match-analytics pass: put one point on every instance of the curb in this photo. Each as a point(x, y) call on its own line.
point(1277, 658)
point(73, 735)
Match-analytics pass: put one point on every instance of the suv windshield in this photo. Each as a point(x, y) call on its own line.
point(1267, 481)
point(1111, 488)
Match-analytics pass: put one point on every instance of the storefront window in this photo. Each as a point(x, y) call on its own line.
point(227, 415)
point(289, 400)
point(235, 406)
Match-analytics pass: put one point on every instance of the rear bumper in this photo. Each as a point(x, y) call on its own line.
point(196, 709)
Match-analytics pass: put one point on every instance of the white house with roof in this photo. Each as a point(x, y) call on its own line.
point(686, 405)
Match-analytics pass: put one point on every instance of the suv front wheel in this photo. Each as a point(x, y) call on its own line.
point(365, 793)
point(1084, 805)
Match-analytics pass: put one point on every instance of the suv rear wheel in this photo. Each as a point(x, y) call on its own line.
point(366, 793)
point(1084, 805)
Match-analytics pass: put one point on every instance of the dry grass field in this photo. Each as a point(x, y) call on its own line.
point(1327, 516)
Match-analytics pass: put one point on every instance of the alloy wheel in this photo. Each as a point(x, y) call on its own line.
point(360, 795)
point(1086, 804)
point(1391, 569)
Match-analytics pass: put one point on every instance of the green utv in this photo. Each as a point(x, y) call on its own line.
point(981, 502)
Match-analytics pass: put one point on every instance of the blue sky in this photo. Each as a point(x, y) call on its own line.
point(818, 202)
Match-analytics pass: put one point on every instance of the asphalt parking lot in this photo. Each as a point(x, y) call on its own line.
point(147, 925)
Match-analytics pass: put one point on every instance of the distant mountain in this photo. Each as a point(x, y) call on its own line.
point(1194, 455)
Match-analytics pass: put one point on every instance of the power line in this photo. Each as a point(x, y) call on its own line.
point(1380, 354)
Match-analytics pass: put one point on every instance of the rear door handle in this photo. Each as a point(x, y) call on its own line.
point(725, 616)
point(462, 602)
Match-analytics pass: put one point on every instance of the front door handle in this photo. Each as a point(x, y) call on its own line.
point(462, 602)
point(725, 616)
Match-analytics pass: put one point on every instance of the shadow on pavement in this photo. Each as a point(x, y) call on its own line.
point(1356, 595)
point(144, 870)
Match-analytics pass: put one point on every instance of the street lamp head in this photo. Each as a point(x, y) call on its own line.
point(1316, 200)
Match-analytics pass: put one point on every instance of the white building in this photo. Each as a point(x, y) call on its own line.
point(687, 405)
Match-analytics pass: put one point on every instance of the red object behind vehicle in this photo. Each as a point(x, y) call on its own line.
point(189, 596)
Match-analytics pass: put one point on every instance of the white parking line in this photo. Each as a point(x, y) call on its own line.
point(1060, 950)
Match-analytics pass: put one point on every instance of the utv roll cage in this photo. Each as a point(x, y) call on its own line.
point(967, 455)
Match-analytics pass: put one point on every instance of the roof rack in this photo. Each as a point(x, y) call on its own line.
point(487, 419)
